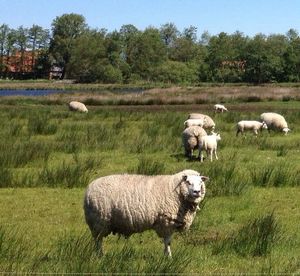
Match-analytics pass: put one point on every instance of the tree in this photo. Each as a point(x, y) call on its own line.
point(169, 33)
point(147, 52)
point(4, 29)
point(21, 45)
point(37, 38)
point(190, 33)
point(89, 60)
point(65, 30)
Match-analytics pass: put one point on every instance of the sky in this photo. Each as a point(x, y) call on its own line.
point(247, 16)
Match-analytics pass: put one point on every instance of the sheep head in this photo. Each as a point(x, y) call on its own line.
point(193, 187)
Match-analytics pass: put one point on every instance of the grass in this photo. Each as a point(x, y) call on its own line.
point(248, 221)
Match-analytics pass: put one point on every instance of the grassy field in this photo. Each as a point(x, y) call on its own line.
point(249, 222)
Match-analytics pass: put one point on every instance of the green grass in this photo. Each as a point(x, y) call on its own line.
point(248, 221)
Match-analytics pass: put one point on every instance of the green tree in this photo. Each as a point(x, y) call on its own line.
point(225, 57)
point(292, 57)
point(264, 58)
point(4, 30)
point(169, 33)
point(21, 45)
point(65, 30)
point(147, 52)
point(89, 60)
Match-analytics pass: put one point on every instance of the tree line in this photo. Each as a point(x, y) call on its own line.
point(162, 54)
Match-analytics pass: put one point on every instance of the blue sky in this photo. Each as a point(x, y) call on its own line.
point(248, 16)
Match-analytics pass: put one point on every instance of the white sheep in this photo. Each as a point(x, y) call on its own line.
point(275, 121)
point(127, 204)
point(209, 143)
point(220, 108)
point(254, 126)
point(190, 139)
point(209, 123)
point(77, 106)
point(194, 122)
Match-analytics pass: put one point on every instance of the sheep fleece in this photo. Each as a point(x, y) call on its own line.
point(127, 204)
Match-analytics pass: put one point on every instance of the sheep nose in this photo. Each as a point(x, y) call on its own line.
point(197, 193)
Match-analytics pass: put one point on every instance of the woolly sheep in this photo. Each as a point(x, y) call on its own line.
point(275, 121)
point(77, 106)
point(127, 204)
point(194, 122)
point(254, 126)
point(190, 139)
point(209, 124)
point(220, 108)
point(209, 143)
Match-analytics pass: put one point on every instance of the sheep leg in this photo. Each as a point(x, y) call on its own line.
point(216, 154)
point(200, 154)
point(98, 238)
point(210, 153)
point(167, 242)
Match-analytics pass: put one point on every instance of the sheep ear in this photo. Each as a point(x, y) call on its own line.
point(184, 177)
point(196, 133)
point(204, 178)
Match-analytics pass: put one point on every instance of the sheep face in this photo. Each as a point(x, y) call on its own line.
point(194, 187)
point(286, 130)
point(264, 126)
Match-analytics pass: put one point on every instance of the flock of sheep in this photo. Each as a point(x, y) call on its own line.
point(195, 136)
point(125, 204)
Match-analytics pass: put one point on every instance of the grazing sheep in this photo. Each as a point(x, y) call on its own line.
point(190, 139)
point(127, 204)
point(209, 124)
point(275, 122)
point(220, 108)
point(194, 122)
point(209, 143)
point(77, 106)
point(254, 126)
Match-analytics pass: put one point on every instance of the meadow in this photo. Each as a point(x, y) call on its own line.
point(248, 223)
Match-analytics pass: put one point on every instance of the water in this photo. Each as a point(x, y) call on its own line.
point(45, 92)
point(26, 92)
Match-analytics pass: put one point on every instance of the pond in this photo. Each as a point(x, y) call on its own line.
point(29, 92)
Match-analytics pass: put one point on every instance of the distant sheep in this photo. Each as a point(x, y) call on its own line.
point(275, 122)
point(209, 123)
point(77, 106)
point(254, 126)
point(194, 122)
point(190, 139)
point(127, 204)
point(220, 108)
point(209, 143)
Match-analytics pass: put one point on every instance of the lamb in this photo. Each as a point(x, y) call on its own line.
point(254, 126)
point(209, 124)
point(209, 143)
point(77, 106)
point(190, 139)
point(127, 204)
point(220, 108)
point(194, 122)
point(275, 122)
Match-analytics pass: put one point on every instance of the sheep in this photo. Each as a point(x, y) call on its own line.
point(254, 126)
point(275, 121)
point(125, 204)
point(77, 106)
point(209, 124)
point(220, 108)
point(190, 139)
point(194, 122)
point(209, 143)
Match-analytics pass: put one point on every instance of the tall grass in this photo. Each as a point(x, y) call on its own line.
point(148, 166)
point(69, 175)
point(256, 238)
